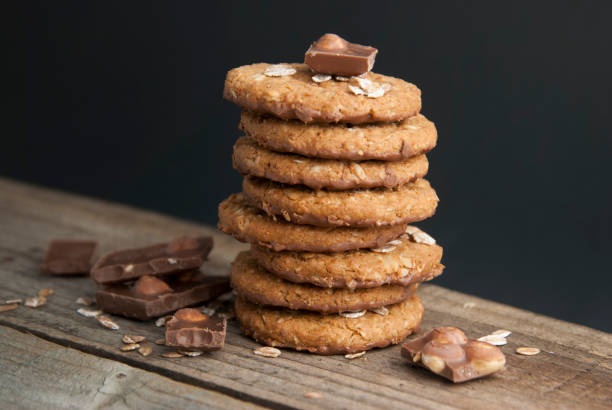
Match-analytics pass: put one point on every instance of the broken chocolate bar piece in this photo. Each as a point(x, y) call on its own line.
point(331, 54)
point(192, 329)
point(68, 257)
point(448, 352)
point(182, 254)
point(150, 297)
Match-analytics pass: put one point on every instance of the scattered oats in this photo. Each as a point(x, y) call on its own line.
point(145, 350)
point(132, 339)
point(384, 249)
point(88, 312)
point(190, 353)
point(527, 351)
point(372, 89)
point(128, 268)
point(341, 78)
point(84, 301)
point(411, 230)
point(354, 355)
point(313, 395)
point(379, 92)
point(279, 70)
point(501, 333)
point(172, 355)
point(12, 301)
point(357, 90)
point(161, 342)
point(469, 305)
point(394, 242)
point(267, 351)
point(320, 78)
point(129, 347)
point(422, 237)
point(35, 302)
point(107, 322)
point(6, 308)
point(381, 311)
point(353, 314)
point(493, 340)
point(172, 261)
point(208, 311)
point(162, 321)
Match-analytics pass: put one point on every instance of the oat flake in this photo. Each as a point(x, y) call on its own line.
point(267, 351)
point(353, 314)
point(493, 340)
point(145, 350)
point(527, 351)
point(279, 70)
point(132, 339)
point(107, 322)
point(172, 355)
point(88, 312)
point(129, 347)
point(35, 302)
point(381, 311)
point(501, 333)
point(354, 355)
point(321, 78)
point(84, 301)
point(190, 353)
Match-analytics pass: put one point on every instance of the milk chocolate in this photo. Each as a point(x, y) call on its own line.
point(192, 329)
point(150, 297)
point(447, 352)
point(332, 54)
point(68, 257)
point(181, 254)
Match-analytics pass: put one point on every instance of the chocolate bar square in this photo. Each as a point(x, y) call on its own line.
point(192, 329)
point(68, 257)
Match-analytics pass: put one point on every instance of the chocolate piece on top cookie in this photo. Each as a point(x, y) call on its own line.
point(447, 352)
point(411, 202)
point(288, 91)
point(331, 54)
point(192, 329)
point(252, 159)
point(68, 257)
point(249, 224)
point(258, 286)
point(125, 265)
point(150, 297)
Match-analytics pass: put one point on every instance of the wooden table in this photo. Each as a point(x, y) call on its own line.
point(52, 357)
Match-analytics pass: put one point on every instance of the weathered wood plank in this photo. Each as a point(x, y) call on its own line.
point(574, 371)
point(40, 374)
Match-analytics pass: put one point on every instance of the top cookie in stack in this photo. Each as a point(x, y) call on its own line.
point(334, 164)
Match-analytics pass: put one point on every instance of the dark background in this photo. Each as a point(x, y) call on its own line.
point(123, 102)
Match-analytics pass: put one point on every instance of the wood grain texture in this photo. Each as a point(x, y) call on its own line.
point(40, 374)
point(573, 371)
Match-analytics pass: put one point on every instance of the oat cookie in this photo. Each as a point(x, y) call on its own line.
point(252, 159)
point(298, 96)
point(258, 286)
point(328, 334)
point(404, 263)
point(393, 141)
point(411, 202)
point(248, 224)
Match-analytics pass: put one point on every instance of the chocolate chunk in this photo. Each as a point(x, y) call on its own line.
point(182, 254)
point(150, 297)
point(448, 352)
point(68, 257)
point(332, 54)
point(192, 329)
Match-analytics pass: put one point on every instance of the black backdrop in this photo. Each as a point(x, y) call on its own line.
point(123, 102)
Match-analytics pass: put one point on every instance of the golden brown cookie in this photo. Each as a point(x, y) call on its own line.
point(401, 262)
point(411, 202)
point(258, 286)
point(259, 88)
point(252, 159)
point(248, 224)
point(393, 141)
point(328, 334)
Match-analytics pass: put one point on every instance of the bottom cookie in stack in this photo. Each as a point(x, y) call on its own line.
point(303, 316)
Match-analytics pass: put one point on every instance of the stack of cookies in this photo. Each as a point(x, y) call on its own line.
point(333, 159)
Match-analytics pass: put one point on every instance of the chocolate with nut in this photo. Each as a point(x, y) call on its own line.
point(68, 257)
point(331, 54)
point(181, 254)
point(150, 297)
point(192, 329)
point(448, 352)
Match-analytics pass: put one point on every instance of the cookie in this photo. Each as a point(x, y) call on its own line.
point(328, 334)
point(265, 88)
point(258, 286)
point(248, 224)
point(394, 141)
point(401, 262)
point(411, 202)
point(252, 159)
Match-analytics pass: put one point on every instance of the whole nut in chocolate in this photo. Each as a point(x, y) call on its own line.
point(448, 352)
